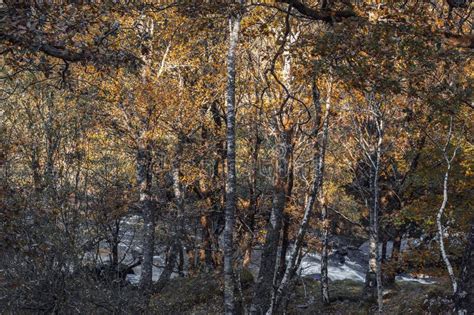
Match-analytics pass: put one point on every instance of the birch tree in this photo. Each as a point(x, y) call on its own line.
point(231, 179)
point(369, 129)
point(324, 206)
point(145, 30)
point(448, 160)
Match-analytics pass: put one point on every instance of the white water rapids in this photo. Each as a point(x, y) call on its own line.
point(352, 266)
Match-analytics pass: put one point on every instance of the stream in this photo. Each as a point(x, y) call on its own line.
point(350, 265)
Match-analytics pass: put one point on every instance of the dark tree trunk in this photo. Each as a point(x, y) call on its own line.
point(384, 251)
point(324, 209)
point(396, 251)
point(253, 198)
point(324, 255)
point(143, 165)
point(169, 266)
point(115, 243)
point(179, 201)
point(267, 274)
point(205, 255)
point(281, 294)
point(285, 242)
point(264, 285)
point(464, 297)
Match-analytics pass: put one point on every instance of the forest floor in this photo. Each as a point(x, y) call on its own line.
point(203, 295)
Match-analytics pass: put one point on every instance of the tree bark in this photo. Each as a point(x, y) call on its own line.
point(324, 256)
point(319, 162)
point(179, 200)
point(143, 165)
point(169, 266)
point(252, 209)
point(144, 177)
point(205, 252)
point(231, 180)
point(285, 242)
point(114, 243)
point(373, 282)
point(383, 256)
point(439, 216)
point(324, 210)
point(396, 250)
point(266, 274)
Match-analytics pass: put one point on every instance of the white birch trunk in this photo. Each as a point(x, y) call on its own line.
point(439, 224)
point(443, 207)
point(231, 181)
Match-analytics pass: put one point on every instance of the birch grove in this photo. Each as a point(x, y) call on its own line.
point(236, 157)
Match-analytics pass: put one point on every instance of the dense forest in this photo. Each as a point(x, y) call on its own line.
point(236, 157)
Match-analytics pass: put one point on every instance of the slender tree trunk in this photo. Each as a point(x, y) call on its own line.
point(115, 243)
point(264, 285)
point(396, 250)
point(376, 197)
point(253, 200)
point(319, 162)
point(376, 228)
point(373, 282)
point(143, 165)
point(441, 231)
point(181, 261)
point(383, 256)
point(179, 197)
point(371, 278)
point(285, 242)
point(205, 252)
point(324, 210)
point(231, 180)
point(169, 266)
point(268, 274)
point(324, 255)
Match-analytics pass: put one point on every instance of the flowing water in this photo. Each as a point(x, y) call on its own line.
point(351, 265)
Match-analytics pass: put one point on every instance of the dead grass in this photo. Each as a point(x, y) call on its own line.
point(203, 295)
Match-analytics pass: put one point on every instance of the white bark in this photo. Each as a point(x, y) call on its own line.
point(376, 215)
point(231, 181)
point(143, 164)
point(440, 230)
point(439, 216)
point(324, 210)
point(372, 148)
